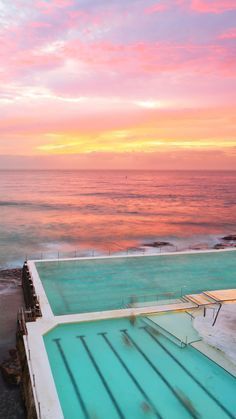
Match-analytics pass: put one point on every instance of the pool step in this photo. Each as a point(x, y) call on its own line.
point(215, 355)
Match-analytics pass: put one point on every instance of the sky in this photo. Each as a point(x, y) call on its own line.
point(118, 84)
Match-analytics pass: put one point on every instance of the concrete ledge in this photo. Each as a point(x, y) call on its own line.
point(180, 252)
point(222, 295)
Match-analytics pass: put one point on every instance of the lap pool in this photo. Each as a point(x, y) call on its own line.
point(123, 369)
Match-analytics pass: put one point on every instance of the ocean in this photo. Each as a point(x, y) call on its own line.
point(80, 212)
point(66, 213)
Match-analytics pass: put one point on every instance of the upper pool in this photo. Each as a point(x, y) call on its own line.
point(86, 285)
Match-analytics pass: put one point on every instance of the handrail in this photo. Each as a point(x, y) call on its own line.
point(121, 250)
point(142, 250)
point(157, 297)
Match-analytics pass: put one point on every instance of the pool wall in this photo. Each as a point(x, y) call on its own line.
point(44, 390)
point(39, 288)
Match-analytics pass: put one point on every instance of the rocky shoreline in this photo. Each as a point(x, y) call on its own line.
point(11, 298)
point(10, 279)
point(11, 369)
point(223, 243)
point(11, 273)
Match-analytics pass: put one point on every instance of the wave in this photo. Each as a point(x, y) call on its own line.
point(8, 286)
point(65, 206)
point(40, 205)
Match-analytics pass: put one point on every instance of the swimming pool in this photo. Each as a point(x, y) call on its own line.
point(124, 369)
point(87, 285)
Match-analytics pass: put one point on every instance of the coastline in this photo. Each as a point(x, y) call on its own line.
point(11, 298)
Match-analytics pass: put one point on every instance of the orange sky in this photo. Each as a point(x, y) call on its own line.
point(112, 86)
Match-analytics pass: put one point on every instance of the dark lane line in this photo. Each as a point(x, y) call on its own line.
point(82, 338)
point(72, 378)
point(130, 374)
point(194, 414)
point(188, 372)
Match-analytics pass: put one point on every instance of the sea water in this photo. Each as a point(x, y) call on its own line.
point(46, 212)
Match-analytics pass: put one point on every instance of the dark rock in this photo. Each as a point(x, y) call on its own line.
point(158, 244)
point(199, 246)
point(219, 246)
point(11, 369)
point(11, 273)
point(13, 353)
point(230, 237)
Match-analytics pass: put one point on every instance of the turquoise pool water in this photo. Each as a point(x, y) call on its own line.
point(120, 369)
point(78, 286)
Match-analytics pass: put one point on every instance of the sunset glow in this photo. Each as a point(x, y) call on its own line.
point(118, 84)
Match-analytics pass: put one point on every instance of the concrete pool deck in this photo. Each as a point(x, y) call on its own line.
point(46, 397)
point(222, 336)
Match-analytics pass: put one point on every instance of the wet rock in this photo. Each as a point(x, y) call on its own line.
point(11, 273)
point(13, 353)
point(11, 369)
point(230, 237)
point(199, 246)
point(158, 244)
point(219, 246)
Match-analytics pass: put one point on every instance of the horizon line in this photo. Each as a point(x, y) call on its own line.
point(116, 170)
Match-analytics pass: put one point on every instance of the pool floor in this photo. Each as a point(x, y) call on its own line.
point(79, 286)
point(123, 368)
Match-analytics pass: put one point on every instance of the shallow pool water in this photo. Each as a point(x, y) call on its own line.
point(78, 286)
point(178, 326)
point(124, 369)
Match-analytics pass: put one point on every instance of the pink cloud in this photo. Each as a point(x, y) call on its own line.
point(213, 6)
point(39, 25)
point(156, 8)
point(46, 7)
point(229, 34)
point(153, 57)
point(188, 160)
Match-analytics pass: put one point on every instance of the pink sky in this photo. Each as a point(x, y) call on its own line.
point(118, 84)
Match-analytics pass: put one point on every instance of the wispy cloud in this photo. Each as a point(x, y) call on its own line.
point(213, 6)
point(228, 34)
point(113, 77)
point(157, 7)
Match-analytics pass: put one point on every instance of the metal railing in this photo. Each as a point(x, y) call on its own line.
point(157, 298)
point(114, 250)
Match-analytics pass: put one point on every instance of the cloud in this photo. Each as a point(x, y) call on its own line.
point(229, 34)
point(198, 6)
point(156, 8)
point(149, 104)
point(179, 160)
point(153, 57)
point(86, 44)
point(105, 77)
point(213, 6)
